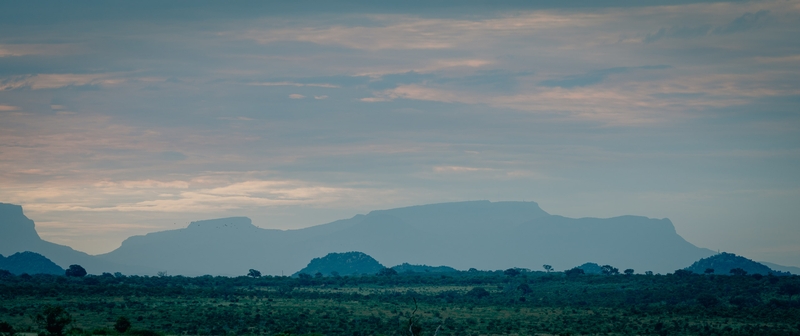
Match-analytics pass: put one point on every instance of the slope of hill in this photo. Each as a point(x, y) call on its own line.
point(479, 234)
point(18, 234)
point(29, 262)
point(408, 268)
point(591, 268)
point(723, 263)
point(348, 263)
point(781, 268)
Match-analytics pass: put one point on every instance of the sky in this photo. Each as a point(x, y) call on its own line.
point(123, 118)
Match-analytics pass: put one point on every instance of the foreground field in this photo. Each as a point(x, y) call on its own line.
point(466, 303)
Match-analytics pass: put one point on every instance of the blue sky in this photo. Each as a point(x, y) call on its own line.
point(121, 118)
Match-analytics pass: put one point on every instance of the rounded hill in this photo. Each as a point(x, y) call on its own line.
point(348, 263)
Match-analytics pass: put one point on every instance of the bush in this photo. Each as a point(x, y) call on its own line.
point(137, 332)
point(122, 325)
point(707, 300)
point(54, 319)
point(75, 271)
point(478, 292)
point(6, 329)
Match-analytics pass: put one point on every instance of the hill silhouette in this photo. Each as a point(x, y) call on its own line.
point(348, 263)
point(591, 268)
point(463, 235)
point(781, 268)
point(30, 263)
point(408, 268)
point(723, 263)
point(18, 234)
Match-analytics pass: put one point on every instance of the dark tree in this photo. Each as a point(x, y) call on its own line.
point(122, 325)
point(709, 271)
point(6, 329)
point(648, 273)
point(707, 300)
point(75, 271)
point(524, 288)
point(54, 319)
point(386, 271)
point(254, 273)
point(574, 272)
point(304, 276)
point(478, 292)
point(790, 289)
point(512, 272)
point(629, 271)
point(318, 275)
point(610, 270)
point(547, 268)
point(738, 271)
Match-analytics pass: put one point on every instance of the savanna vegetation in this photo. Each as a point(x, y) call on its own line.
point(510, 302)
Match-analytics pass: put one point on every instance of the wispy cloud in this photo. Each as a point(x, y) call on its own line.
point(747, 21)
point(617, 102)
point(323, 85)
point(458, 169)
point(10, 50)
point(202, 194)
point(52, 81)
point(403, 32)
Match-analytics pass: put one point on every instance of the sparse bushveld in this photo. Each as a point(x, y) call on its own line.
point(457, 303)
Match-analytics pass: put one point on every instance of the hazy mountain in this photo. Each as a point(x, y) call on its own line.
point(29, 262)
point(18, 234)
point(408, 268)
point(479, 234)
point(723, 263)
point(348, 263)
point(781, 268)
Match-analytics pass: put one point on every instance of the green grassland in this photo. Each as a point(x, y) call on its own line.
point(464, 303)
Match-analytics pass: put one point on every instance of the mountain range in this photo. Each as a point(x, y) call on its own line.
point(18, 234)
point(474, 234)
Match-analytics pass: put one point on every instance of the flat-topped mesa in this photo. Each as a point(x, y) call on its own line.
point(14, 224)
point(223, 223)
point(462, 235)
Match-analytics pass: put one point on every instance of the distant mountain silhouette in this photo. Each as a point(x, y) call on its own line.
point(29, 262)
point(348, 263)
point(723, 263)
point(18, 234)
point(408, 268)
point(479, 234)
point(781, 268)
